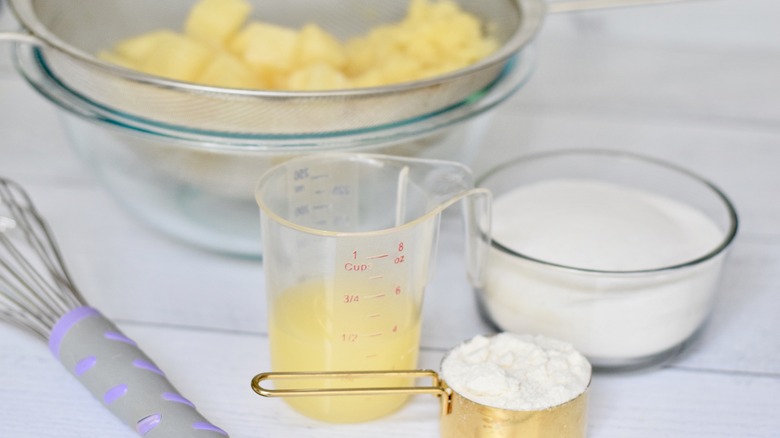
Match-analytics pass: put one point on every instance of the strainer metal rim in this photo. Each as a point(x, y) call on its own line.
point(517, 74)
point(532, 13)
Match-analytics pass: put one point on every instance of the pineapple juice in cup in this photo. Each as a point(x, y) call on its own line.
point(308, 332)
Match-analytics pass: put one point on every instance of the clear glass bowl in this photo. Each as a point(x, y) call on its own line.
point(618, 318)
point(198, 186)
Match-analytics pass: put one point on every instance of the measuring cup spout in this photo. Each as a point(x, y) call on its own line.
point(477, 218)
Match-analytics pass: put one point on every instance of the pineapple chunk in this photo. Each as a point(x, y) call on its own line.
point(115, 59)
point(443, 10)
point(372, 51)
point(384, 38)
point(360, 57)
point(443, 68)
point(475, 51)
point(320, 76)
point(400, 68)
point(424, 51)
point(216, 21)
point(180, 58)
point(136, 49)
point(418, 11)
point(266, 47)
point(225, 70)
point(458, 32)
point(315, 45)
point(370, 78)
point(434, 38)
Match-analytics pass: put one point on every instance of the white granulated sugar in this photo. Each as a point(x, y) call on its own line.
point(517, 372)
point(597, 225)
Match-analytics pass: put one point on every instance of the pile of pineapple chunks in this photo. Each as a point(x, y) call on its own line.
point(219, 48)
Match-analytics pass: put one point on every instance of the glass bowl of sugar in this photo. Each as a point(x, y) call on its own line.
point(616, 253)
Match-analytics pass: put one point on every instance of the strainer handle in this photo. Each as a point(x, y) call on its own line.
point(112, 367)
point(554, 7)
point(23, 38)
point(18, 37)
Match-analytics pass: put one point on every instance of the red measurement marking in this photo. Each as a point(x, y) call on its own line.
point(376, 296)
point(373, 335)
point(351, 298)
point(380, 256)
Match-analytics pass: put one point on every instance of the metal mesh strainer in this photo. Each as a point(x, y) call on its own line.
point(71, 31)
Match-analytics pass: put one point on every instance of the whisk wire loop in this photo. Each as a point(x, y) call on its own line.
point(35, 287)
point(24, 275)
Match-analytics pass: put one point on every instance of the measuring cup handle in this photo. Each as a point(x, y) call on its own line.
point(477, 219)
point(436, 387)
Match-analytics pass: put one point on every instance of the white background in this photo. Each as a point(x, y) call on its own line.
point(697, 84)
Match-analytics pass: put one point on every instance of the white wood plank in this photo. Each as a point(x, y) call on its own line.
point(7, 24)
point(214, 369)
point(695, 84)
point(712, 25)
point(673, 403)
point(623, 81)
point(33, 144)
point(742, 332)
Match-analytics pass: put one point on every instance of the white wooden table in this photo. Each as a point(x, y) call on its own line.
point(697, 84)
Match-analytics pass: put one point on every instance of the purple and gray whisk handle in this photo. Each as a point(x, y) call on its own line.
point(124, 379)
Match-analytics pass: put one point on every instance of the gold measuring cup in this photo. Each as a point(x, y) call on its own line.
point(460, 417)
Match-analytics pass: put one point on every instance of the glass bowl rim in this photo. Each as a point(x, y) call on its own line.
point(728, 238)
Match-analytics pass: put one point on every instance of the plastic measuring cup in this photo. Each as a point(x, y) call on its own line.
point(348, 244)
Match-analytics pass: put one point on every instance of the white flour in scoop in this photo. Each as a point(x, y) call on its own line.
point(517, 372)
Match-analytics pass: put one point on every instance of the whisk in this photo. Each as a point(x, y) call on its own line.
point(37, 294)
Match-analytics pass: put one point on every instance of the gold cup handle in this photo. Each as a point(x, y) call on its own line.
point(436, 387)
